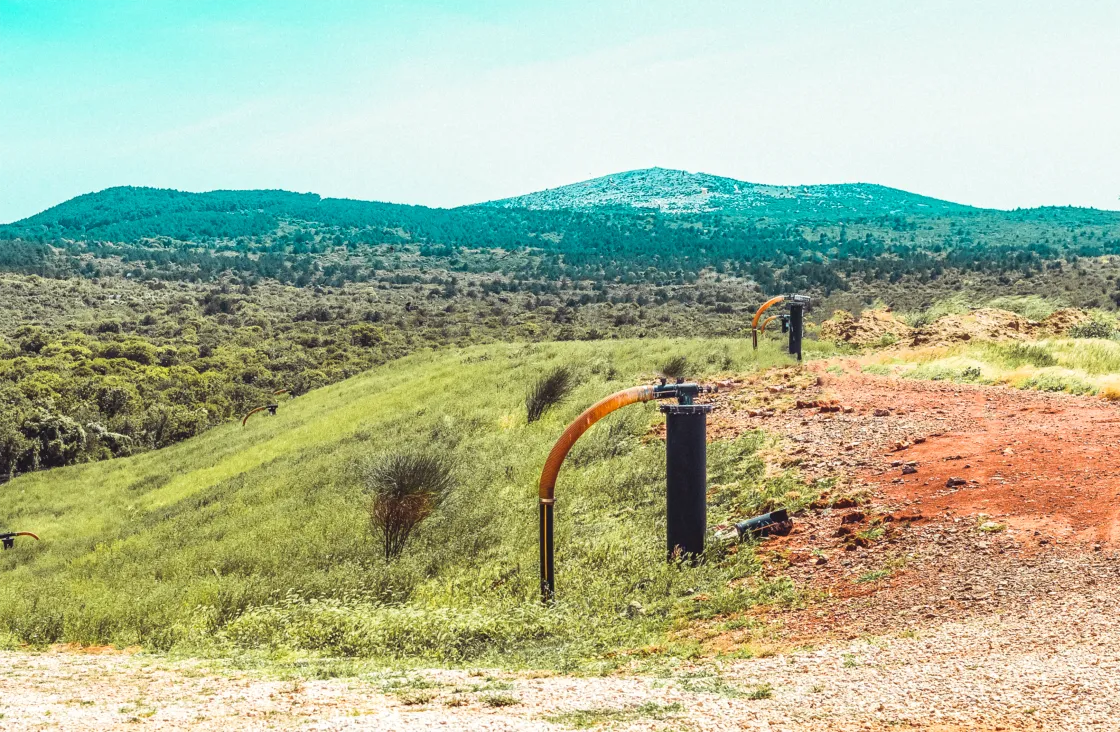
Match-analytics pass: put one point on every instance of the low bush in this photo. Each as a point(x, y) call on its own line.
point(676, 367)
point(548, 391)
point(1092, 329)
point(1052, 381)
point(404, 489)
point(1018, 354)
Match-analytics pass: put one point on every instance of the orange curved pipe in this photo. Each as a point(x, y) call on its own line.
point(762, 328)
point(547, 487)
point(26, 533)
point(250, 414)
point(590, 416)
point(765, 306)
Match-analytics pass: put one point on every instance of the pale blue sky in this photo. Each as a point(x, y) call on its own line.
point(442, 103)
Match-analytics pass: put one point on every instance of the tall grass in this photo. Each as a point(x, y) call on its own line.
point(258, 537)
point(1075, 366)
point(1032, 307)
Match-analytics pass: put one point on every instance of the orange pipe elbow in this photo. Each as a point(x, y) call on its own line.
point(250, 414)
point(766, 306)
point(768, 321)
point(590, 416)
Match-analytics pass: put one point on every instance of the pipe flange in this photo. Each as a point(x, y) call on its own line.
point(686, 408)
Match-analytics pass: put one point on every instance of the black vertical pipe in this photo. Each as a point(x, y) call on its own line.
point(548, 576)
point(796, 328)
point(686, 479)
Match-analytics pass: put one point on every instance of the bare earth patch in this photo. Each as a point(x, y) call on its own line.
point(972, 585)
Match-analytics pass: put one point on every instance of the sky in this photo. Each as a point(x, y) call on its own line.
point(993, 103)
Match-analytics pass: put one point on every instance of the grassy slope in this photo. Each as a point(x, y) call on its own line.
point(1076, 366)
point(171, 548)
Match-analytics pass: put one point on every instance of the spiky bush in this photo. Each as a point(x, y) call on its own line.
point(548, 391)
point(675, 368)
point(404, 489)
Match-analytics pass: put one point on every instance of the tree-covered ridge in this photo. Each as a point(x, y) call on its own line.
point(304, 239)
point(678, 191)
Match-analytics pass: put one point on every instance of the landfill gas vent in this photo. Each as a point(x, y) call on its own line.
point(8, 540)
point(686, 475)
point(792, 322)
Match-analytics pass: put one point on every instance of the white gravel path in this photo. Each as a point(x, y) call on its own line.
point(1053, 665)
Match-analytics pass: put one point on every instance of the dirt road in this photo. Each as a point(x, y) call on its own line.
point(974, 586)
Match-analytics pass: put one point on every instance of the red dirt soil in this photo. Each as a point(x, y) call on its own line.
point(951, 500)
point(1035, 461)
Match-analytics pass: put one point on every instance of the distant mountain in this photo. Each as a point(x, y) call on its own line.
point(133, 214)
point(678, 192)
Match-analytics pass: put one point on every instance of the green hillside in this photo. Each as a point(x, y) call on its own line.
point(133, 318)
point(678, 191)
point(258, 537)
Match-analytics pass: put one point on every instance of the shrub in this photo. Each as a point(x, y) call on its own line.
point(1020, 353)
point(1110, 390)
point(405, 488)
point(548, 391)
point(1033, 307)
point(1048, 381)
point(675, 368)
point(1092, 329)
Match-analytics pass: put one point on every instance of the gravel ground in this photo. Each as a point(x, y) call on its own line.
point(1051, 664)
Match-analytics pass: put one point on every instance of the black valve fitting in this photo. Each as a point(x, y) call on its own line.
point(682, 392)
point(8, 540)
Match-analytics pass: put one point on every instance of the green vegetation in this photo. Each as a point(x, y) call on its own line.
point(676, 367)
point(1071, 365)
point(548, 391)
point(598, 716)
point(133, 318)
point(405, 488)
point(386, 512)
point(1093, 329)
point(1032, 307)
point(874, 575)
point(499, 700)
point(258, 538)
point(1016, 354)
point(677, 191)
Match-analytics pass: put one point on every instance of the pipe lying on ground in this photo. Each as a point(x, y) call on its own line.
point(8, 540)
point(775, 523)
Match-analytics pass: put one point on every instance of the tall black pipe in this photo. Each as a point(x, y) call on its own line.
point(686, 479)
point(548, 570)
point(796, 328)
